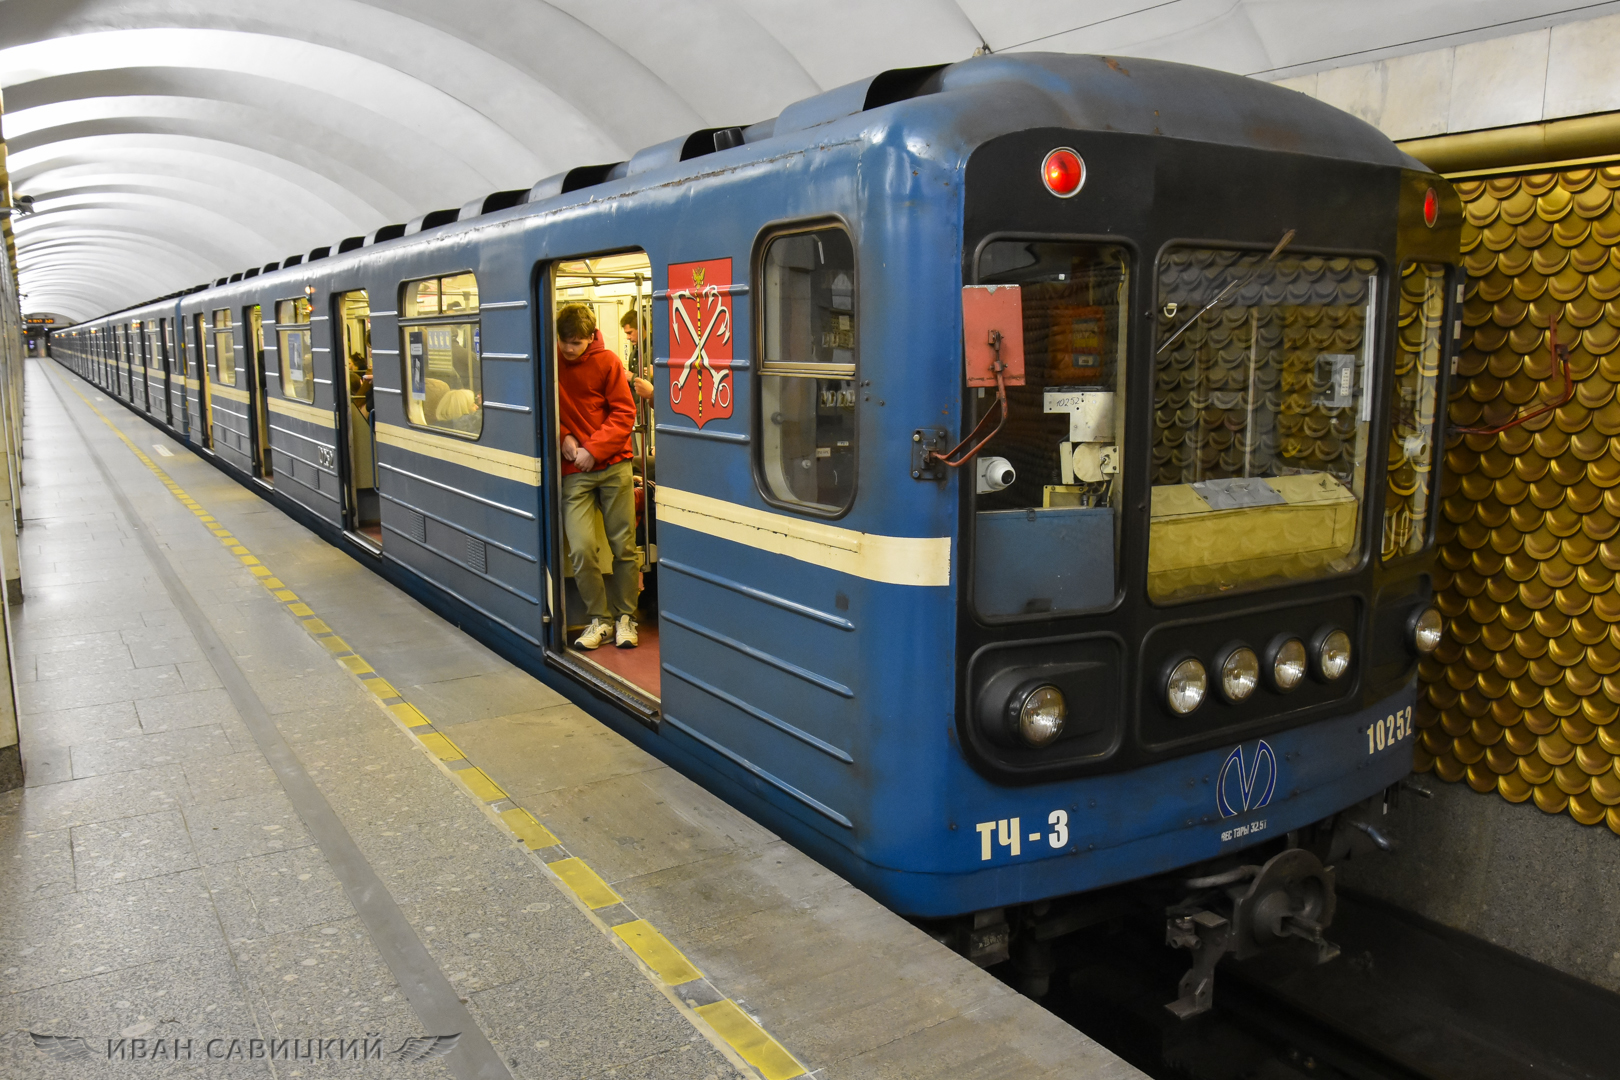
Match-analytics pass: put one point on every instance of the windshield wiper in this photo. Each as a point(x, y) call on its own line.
point(1222, 295)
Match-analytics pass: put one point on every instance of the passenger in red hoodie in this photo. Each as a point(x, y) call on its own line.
point(598, 415)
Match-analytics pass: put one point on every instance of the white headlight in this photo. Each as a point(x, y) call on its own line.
point(1184, 690)
point(1288, 665)
point(1041, 716)
point(1240, 674)
point(1333, 655)
point(1426, 631)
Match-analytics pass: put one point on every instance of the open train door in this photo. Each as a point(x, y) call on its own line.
point(205, 393)
point(356, 421)
point(258, 411)
point(616, 290)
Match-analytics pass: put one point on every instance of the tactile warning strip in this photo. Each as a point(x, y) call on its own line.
point(1522, 695)
point(739, 1036)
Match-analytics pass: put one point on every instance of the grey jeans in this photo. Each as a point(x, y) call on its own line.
point(611, 490)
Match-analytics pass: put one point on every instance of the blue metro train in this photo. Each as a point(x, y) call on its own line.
point(1037, 494)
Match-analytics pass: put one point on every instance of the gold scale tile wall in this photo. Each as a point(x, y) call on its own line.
point(1523, 694)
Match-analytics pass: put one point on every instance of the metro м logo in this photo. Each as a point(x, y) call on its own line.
point(1245, 783)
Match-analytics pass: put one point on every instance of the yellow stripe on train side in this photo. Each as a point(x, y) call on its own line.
point(896, 560)
point(470, 455)
point(299, 411)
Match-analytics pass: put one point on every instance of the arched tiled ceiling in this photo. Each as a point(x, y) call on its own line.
point(170, 142)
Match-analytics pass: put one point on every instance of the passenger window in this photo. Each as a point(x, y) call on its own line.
point(807, 369)
point(439, 349)
point(1413, 405)
point(1047, 487)
point(292, 334)
point(224, 347)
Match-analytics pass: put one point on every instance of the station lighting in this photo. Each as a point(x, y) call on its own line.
point(1288, 663)
point(1426, 630)
point(1333, 655)
point(1064, 172)
point(1041, 716)
point(1240, 674)
point(1184, 690)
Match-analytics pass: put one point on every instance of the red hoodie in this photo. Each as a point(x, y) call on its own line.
point(594, 402)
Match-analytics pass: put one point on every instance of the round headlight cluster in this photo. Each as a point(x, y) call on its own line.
point(1332, 655)
point(1286, 664)
point(1185, 689)
point(1426, 628)
point(1041, 716)
point(1240, 674)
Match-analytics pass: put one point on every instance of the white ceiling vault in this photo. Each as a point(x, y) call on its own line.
point(171, 142)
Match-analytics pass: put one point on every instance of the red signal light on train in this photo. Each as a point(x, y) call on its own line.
point(1064, 172)
point(1431, 208)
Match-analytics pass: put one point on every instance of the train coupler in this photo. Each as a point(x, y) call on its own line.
point(1245, 912)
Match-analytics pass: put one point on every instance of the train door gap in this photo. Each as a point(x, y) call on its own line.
point(205, 390)
point(616, 291)
point(143, 347)
point(166, 360)
point(154, 366)
point(258, 411)
point(362, 506)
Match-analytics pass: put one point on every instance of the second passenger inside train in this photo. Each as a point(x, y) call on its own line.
point(637, 360)
point(597, 416)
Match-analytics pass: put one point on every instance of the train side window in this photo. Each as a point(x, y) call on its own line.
point(1047, 488)
point(224, 347)
point(1413, 408)
point(809, 333)
point(292, 339)
point(439, 350)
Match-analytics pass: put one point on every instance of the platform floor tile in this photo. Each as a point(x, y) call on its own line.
point(271, 797)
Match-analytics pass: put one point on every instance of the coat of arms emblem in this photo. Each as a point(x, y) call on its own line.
point(700, 340)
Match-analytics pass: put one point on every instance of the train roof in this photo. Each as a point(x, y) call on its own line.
point(959, 105)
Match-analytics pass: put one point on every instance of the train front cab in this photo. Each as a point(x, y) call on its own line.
point(1206, 531)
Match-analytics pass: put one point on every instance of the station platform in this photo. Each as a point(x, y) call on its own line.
point(278, 813)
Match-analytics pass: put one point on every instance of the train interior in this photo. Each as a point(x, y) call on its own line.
point(362, 508)
point(615, 288)
point(1048, 486)
point(263, 459)
point(205, 391)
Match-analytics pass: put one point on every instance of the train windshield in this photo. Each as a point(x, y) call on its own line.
point(1261, 412)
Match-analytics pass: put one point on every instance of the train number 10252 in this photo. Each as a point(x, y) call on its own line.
point(1384, 734)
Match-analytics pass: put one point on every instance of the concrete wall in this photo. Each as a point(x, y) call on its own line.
point(11, 365)
point(1538, 884)
point(1546, 74)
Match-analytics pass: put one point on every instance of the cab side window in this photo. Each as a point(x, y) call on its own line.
point(439, 348)
point(1414, 407)
point(808, 333)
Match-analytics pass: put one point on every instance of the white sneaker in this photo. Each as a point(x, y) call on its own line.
point(625, 634)
point(596, 633)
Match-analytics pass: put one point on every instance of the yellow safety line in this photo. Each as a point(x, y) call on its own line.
point(661, 959)
point(665, 959)
point(750, 1040)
